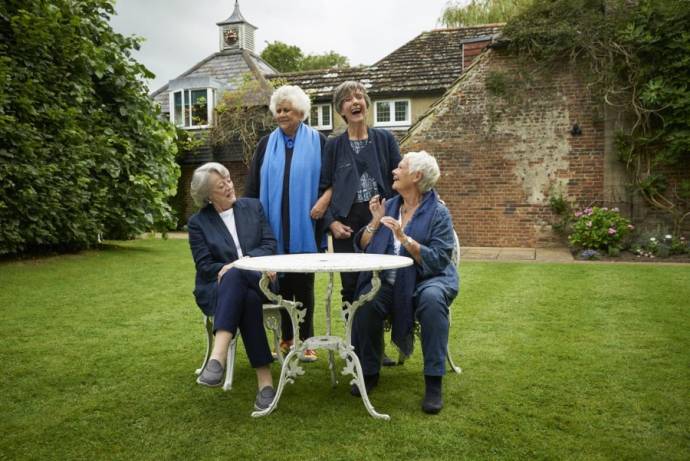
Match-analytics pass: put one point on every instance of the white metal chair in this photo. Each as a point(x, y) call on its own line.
point(272, 322)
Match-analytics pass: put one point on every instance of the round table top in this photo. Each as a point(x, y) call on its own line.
point(324, 262)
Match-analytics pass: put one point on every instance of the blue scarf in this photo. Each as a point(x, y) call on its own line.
point(407, 278)
point(305, 170)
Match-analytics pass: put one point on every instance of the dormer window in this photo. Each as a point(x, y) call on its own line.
point(192, 108)
point(320, 117)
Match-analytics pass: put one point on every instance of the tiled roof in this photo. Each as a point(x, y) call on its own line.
point(224, 66)
point(429, 62)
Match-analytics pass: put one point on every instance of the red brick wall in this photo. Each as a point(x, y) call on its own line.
point(503, 155)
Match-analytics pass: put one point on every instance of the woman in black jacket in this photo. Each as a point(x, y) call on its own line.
point(357, 166)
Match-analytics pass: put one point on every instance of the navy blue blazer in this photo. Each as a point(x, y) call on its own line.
point(212, 245)
point(339, 169)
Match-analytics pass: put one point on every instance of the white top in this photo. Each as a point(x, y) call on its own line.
point(324, 262)
point(228, 217)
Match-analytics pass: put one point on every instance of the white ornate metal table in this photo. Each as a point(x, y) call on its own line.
point(330, 263)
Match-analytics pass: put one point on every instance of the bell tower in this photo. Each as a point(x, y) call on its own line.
point(235, 32)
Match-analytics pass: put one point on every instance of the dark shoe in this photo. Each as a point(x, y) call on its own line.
point(433, 399)
point(370, 382)
point(212, 374)
point(389, 362)
point(264, 397)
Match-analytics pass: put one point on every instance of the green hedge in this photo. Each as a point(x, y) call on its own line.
point(82, 152)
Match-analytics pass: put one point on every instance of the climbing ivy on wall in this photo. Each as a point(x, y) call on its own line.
point(636, 56)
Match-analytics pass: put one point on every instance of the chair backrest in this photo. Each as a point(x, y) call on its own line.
point(456, 250)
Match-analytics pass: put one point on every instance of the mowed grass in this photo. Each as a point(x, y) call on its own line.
point(560, 361)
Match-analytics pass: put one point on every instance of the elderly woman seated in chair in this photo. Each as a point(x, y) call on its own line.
point(224, 230)
point(416, 224)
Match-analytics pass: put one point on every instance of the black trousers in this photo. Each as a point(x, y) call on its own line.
point(358, 218)
point(239, 305)
point(300, 287)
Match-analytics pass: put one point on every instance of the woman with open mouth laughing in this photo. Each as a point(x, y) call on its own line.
point(357, 165)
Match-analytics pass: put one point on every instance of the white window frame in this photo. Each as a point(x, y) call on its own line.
point(186, 93)
point(319, 125)
point(391, 108)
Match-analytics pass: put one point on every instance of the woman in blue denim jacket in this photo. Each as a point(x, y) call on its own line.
point(418, 225)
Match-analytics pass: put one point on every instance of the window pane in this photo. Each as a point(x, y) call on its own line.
point(177, 109)
point(314, 116)
point(187, 113)
point(326, 115)
point(383, 112)
point(400, 111)
point(199, 107)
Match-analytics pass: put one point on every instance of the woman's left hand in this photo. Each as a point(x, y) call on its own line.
point(224, 269)
point(394, 226)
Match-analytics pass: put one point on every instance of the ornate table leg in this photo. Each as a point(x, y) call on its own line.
point(353, 366)
point(288, 372)
point(331, 353)
point(291, 367)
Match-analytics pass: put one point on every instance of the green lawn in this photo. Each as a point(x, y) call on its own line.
point(560, 361)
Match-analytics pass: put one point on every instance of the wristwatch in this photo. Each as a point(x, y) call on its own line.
point(407, 240)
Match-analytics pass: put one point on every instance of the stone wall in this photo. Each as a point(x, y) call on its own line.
point(505, 143)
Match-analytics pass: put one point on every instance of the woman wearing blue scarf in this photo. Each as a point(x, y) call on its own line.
point(416, 224)
point(284, 176)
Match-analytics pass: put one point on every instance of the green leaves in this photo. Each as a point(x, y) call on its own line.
point(75, 124)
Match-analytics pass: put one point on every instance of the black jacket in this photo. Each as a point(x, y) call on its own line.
point(212, 245)
point(339, 169)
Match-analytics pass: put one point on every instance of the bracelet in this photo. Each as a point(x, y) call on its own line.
point(370, 229)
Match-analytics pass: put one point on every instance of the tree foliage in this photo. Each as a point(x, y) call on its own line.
point(478, 12)
point(82, 152)
point(637, 57)
point(242, 115)
point(289, 58)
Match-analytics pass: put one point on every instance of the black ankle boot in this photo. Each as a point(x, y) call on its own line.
point(433, 399)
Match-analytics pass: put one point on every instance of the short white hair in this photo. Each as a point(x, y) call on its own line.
point(200, 189)
point(295, 96)
point(425, 163)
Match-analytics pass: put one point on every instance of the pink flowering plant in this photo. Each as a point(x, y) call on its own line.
point(598, 228)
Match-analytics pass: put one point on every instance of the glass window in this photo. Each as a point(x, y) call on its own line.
point(177, 109)
point(199, 107)
point(326, 118)
point(320, 117)
point(383, 112)
point(400, 111)
point(190, 108)
point(392, 113)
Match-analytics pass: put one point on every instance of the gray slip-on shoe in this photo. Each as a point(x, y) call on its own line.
point(212, 375)
point(264, 397)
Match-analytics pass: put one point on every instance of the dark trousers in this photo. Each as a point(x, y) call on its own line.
point(301, 288)
point(239, 305)
point(358, 218)
point(431, 311)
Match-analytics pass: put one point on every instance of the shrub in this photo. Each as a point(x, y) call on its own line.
point(600, 229)
point(82, 152)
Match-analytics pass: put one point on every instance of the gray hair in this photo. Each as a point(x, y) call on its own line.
point(425, 163)
point(200, 189)
point(344, 90)
point(295, 96)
